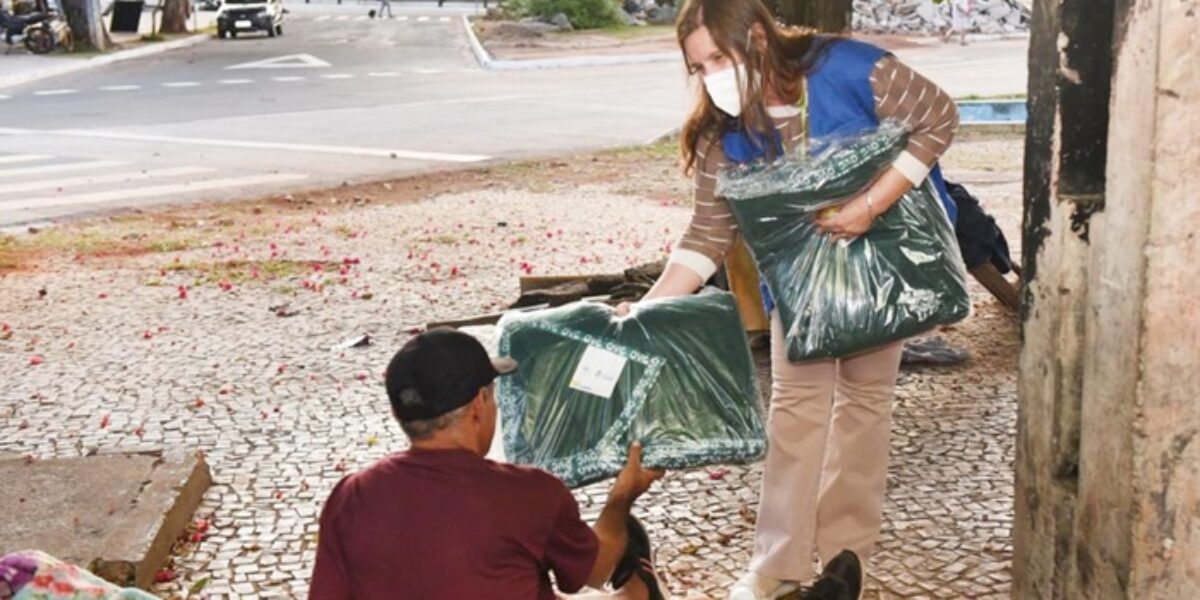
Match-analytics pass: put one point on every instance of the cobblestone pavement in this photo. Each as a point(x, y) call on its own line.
point(168, 332)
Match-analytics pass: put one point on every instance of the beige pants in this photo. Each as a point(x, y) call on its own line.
point(826, 469)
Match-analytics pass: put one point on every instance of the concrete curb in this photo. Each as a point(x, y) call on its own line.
point(486, 60)
point(74, 66)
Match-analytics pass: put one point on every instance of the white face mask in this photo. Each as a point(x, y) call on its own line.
point(724, 89)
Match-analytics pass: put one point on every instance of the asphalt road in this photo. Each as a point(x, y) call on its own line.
point(338, 98)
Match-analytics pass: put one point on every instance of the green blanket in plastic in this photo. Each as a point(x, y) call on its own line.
point(902, 278)
point(676, 375)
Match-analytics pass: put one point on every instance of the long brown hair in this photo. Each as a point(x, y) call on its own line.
point(789, 55)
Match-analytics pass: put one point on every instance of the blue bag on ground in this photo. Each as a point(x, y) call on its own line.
point(903, 277)
point(676, 375)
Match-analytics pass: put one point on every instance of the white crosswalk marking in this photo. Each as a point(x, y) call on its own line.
point(235, 81)
point(402, 18)
point(181, 84)
point(338, 76)
point(361, 18)
point(163, 191)
point(17, 158)
point(54, 92)
point(4, 96)
point(344, 18)
point(422, 19)
point(323, 18)
point(120, 88)
point(288, 78)
point(444, 19)
point(319, 148)
point(89, 180)
point(384, 74)
point(75, 166)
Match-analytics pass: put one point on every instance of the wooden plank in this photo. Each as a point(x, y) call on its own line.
point(493, 318)
point(535, 283)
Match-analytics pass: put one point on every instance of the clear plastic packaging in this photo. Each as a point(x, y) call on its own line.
point(676, 375)
point(903, 277)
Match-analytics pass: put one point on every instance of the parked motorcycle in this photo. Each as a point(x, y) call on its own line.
point(41, 32)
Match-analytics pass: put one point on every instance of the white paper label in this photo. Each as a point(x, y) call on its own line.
point(598, 372)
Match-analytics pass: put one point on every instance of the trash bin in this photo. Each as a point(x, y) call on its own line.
point(126, 16)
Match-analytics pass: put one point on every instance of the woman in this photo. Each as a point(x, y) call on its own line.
point(767, 89)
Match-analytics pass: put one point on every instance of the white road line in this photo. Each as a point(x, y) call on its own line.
point(235, 81)
point(323, 18)
point(444, 19)
point(422, 19)
point(78, 166)
point(402, 18)
point(383, 74)
point(18, 158)
point(149, 192)
point(361, 18)
point(119, 88)
point(350, 150)
point(338, 76)
point(66, 182)
point(181, 84)
point(288, 78)
point(54, 92)
point(344, 18)
point(4, 96)
point(427, 71)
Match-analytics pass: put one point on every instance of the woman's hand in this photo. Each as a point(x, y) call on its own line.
point(849, 221)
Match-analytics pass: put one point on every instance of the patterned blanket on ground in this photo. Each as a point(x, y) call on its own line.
point(34, 575)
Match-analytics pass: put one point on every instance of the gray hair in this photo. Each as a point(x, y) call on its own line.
point(424, 429)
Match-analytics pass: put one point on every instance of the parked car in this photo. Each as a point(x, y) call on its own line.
point(209, 5)
point(239, 16)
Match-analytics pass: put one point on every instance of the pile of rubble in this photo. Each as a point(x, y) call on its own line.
point(652, 12)
point(907, 17)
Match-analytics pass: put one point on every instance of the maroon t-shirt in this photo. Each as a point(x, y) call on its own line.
point(430, 524)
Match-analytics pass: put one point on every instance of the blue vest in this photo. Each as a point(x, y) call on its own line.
point(841, 103)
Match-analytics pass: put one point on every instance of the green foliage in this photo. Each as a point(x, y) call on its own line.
point(584, 14)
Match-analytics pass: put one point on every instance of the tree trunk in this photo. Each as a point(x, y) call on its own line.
point(830, 16)
point(175, 16)
point(86, 23)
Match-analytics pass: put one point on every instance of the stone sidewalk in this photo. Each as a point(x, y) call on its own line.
point(213, 328)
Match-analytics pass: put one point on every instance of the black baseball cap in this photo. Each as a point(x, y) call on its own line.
point(440, 371)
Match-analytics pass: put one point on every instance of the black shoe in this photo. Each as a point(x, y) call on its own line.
point(841, 579)
point(637, 560)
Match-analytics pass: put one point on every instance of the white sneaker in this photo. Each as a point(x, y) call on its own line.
point(753, 586)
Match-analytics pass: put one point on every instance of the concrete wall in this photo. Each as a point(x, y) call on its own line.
point(1166, 535)
point(1108, 467)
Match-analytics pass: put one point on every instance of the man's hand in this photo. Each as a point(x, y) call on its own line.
point(623, 309)
point(633, 480)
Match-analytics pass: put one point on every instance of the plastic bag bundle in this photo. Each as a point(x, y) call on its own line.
point(902, 278)
point(676, 374)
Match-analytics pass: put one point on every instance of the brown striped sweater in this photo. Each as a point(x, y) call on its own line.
point(901, 94)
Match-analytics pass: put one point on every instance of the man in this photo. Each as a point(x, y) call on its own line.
point(441, 521)
point(385, 4)
point(960, 21)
